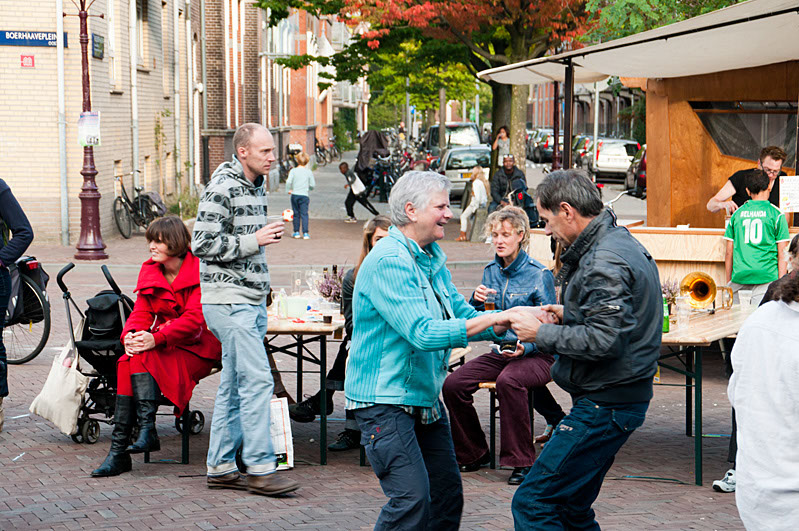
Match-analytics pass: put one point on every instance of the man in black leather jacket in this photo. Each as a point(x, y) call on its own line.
point(502, 183)
point(607, 345)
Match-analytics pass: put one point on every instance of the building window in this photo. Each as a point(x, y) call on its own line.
point(141, 32)
point(165, 74)
point(742, 128)
point(113, 74)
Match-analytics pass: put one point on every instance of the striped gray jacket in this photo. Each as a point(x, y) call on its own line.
point(233, 266)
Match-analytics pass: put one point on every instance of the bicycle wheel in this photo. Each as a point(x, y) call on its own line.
point(336, 152)
point(329, 156)
point(122, 218)
point(25, 339)
point(145, 214)
point(321, 159)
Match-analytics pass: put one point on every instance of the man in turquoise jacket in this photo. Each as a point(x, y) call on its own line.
point(408, 315)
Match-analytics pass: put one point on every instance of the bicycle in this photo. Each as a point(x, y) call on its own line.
point(26, 332)
point(140, 211)
point(321, 153)
point(333, 152)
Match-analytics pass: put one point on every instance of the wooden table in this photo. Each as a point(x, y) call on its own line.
point(303, 334)
point(703, 329)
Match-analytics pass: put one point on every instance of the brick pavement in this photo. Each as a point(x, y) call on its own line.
point(44, 481)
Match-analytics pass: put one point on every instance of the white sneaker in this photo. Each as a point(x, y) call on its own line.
point(727, 483)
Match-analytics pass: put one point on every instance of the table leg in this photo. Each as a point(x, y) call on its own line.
point(698, 414)
point(323, 400)
point(299, 368)
point(689, 380)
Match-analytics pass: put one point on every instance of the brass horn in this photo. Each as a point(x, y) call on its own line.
point(702, 291)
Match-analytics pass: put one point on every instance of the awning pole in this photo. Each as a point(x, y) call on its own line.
point(556, 127)
point(568, 108)
point(595, 145)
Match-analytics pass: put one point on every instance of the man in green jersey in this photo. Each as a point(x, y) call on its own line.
point(756, 238)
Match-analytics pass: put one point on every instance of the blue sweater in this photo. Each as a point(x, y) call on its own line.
point(401, 341)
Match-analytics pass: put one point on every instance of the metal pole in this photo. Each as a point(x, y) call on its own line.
point(596, 129)
point(567, 116)
point(556, 127)
point(90, 245)
point(477, 104)
point(62, 123)
point(205, 79)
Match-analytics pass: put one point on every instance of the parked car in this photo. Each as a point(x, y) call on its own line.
point(613, 157)
point(457, 164)
point(458, 134)
point(580, 148)
point(544, 143)
point(636, 173)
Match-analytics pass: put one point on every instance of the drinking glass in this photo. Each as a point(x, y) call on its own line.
point(275, 219)
point(491, 301)
point(745, 298)
point(683, 312)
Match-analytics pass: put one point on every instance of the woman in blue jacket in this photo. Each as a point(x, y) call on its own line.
point(514, 279)
point(408, 315)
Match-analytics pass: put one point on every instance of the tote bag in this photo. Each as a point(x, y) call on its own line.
point(357, 187)
point(62, 394)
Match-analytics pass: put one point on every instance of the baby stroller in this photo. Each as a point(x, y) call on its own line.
point(98, 345)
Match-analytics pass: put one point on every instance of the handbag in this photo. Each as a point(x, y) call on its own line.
point(357, 187)
point(62, 395)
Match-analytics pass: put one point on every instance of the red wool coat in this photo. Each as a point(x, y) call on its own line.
point(185, 350)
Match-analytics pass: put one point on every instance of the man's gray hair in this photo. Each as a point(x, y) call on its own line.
point(243, 134)
point(415, 187)
point(572, 187)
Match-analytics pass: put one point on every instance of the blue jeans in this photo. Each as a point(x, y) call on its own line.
point(5, 293)
point(565, 480)
point(416, 466)
point(299, 204)
point(241, 408)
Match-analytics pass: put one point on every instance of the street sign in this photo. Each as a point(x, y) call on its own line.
point(89, 129)
point(29, 38)
point(26, 61)
point(98, 46)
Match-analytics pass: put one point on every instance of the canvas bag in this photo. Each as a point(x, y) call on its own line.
point(62, 394)
point(282, 441)
point(357, 186)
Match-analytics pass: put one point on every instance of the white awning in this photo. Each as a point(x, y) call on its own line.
point(749, 34)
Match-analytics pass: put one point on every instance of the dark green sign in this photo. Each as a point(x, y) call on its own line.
point(98, 46)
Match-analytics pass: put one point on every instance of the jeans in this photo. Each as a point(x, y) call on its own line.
point(416, 466)
point(514, 376)
point(241, 408)
point(299, 204)
point(565, 480)
point(5, 293)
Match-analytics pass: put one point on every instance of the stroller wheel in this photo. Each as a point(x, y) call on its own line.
point(196, 422)
point(90, 431)
point(78, 438)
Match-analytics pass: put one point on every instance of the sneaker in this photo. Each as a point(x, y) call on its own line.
point(296, 235)
point(544, 437)
point(306, 236)
point(350, 220)
point(347, 440)
point(727, 483)
point(308, 409)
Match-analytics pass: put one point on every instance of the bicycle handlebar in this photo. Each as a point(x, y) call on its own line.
point(60, 277)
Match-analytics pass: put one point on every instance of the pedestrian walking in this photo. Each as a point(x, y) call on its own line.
point(230, 238)
point(357, 192)
point(17, 235)
point(299, 183)
point(606, 347)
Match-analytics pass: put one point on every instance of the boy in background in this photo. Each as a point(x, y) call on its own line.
point(756, 238)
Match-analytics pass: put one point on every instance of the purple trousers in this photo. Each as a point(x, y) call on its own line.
point(514, 376)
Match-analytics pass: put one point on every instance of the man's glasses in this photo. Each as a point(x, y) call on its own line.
point(772, 172)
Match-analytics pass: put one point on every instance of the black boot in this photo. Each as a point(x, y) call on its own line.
point(146, 395)
point(118, 461)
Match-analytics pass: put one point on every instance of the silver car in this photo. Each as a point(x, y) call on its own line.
point(613, 157)
point(457, 164)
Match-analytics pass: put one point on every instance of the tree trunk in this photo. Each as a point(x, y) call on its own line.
point(500, 115)
point(518, 118)
point(442, 119)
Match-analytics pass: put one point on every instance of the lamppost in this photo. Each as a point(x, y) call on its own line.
point(90, 245)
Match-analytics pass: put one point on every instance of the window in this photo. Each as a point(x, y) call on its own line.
point(113, 64)
point(742, 128)
point(141, 32)
point(459, 135)
point(165, 74)
point(468, 159)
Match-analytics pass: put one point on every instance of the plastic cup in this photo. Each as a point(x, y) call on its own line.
point(491, 301)
point(745, 298)
point(683, 312)
point(275, 219)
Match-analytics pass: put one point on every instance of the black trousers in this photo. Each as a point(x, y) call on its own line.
point(350, 202)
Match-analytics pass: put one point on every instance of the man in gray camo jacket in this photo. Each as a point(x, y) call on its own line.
point(230, 237)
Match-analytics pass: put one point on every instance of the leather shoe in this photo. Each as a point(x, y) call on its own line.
point(518, 475)
point(475, 465)
point(271, 485)
point(232, 480)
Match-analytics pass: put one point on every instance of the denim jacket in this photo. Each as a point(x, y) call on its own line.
point(526, 282)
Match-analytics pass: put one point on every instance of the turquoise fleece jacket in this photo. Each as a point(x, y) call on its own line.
point(401, 341)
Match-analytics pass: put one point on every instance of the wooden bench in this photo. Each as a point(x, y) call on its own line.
point(492, 419)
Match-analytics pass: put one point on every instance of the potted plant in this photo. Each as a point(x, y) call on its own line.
point(671, 290)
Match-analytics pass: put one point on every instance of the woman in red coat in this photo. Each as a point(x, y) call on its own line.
point(168, 347)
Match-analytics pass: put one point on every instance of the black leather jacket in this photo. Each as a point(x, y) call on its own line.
point(501, 183)
point(609, 342)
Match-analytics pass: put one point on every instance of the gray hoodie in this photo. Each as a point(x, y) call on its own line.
point(233, 266)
